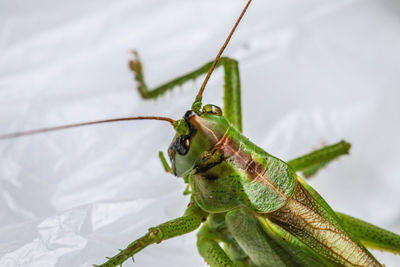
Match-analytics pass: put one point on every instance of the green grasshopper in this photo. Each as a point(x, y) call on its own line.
point(241, 196)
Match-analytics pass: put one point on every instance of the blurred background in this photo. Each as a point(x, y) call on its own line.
point(312, 73)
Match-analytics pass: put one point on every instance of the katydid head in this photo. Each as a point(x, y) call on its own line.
point(196, 134)
point(201, 128)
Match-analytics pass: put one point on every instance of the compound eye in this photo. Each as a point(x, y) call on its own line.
point(181, 145)
point(212, 109)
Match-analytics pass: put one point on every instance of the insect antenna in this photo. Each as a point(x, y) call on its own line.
point(197, 103)
point(62, 127)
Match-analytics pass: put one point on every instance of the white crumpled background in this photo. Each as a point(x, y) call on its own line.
point(312, 72)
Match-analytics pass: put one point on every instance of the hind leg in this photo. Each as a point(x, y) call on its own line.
point(311, 163)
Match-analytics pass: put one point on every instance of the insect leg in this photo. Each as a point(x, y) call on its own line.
point(179, 226)
point(232, 99)
point(210, 250)
point(232, 107)
point(311, 163)
point(260, 247)
point(217, 226)
point(164, 162)
point(370, 235)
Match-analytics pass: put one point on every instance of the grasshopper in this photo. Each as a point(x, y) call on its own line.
point(231, 155)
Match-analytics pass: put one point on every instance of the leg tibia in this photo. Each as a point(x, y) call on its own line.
point(136, 67)
point(370, 235)
point(232, 98)
point(218, 227)
point(210, 250)
point(182, 225)
point(309, 164)
point(251, 237)
point(232, 106)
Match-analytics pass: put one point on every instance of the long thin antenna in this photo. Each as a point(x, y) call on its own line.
point(62, 127)
point(203, 86)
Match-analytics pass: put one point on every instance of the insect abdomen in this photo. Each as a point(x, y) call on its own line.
point(318, 228)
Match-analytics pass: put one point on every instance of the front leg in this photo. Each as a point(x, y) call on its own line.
point(192, 219)
point(232, 98)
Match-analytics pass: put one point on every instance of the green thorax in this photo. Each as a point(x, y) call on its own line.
point(226, 170)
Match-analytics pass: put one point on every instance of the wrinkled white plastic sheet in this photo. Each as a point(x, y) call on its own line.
point(312, 73)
